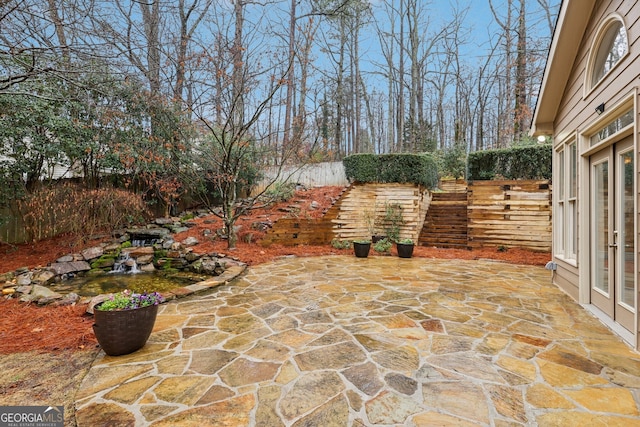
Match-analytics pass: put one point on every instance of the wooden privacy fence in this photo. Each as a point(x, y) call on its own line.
point(510, 213)
point(311, 175)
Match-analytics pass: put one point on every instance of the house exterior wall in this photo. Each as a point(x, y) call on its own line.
point(575, 118)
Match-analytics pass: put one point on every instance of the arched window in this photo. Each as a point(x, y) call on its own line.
point(612, 45)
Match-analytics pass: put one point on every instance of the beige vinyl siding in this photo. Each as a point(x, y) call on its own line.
point(577, 108)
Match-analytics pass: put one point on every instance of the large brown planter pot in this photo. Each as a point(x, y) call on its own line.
point(405, 250)
point(124, 331)
point(361, 249)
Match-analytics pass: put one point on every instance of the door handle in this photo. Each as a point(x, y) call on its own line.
point(614, 245)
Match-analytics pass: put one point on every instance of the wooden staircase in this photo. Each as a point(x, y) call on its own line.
point(445, 225)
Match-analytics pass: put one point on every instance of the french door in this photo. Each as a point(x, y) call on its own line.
point(613, 284)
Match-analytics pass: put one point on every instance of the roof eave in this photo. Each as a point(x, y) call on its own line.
point(573, 19)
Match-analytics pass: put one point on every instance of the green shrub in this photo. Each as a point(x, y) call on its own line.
point(382, 246)
point(528, 162)
point(280, 192)
point(340, 244)
point(386, 168)
point(393, 220)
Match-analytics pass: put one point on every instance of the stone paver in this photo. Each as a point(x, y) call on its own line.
point(342, 341)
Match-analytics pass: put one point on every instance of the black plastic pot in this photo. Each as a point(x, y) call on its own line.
point(361, 249)
point(123, 331)
point(405, 250)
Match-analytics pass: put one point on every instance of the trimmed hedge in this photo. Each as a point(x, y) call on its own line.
point(530, 162)
point(387, 168)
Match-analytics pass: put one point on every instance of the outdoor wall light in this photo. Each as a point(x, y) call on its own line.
point(542, 138)
point(600, 109)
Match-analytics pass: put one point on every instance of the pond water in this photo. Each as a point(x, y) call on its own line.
point(115, 282)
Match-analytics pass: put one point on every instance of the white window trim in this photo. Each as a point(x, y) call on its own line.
point(565, 226)
point(606, 23)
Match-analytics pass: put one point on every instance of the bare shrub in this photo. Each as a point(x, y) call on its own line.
point(68, 208)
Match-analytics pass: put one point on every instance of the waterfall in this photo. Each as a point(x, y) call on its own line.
point(125, 264)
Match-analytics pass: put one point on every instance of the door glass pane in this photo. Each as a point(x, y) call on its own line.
point(626, 229)
point(601, 226)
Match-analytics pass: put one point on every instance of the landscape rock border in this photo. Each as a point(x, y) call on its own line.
point(161, 252)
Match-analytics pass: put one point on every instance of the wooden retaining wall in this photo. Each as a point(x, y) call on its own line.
point(346, 219)
point(510, 213)
point(370, 200)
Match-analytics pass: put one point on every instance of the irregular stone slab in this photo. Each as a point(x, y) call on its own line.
point(209, 362)
point(433, 325)
point(612, 400)
point(435, 419)
point(396, 322)
point(59, 268)
point(317, 316)
point(270, 351)
point(91, 253)
point(443, 344)
point(336, 356)
point(390, 408)
point(131, 391)
point(292, 338)
point(215, 394)
point(525, 369)
point(571, 360)
point(561, 376)
point(205, 340)
point(355, 401)
point(242, 371)
point(334, 336)
point(627, 365)
point(266, 413)
point(508, 402)
point(43, 277)
point(41, 293)
point(372, 344)
point(267, 310)
point(543, 396)
point(239, 324)
point(458, 398)
point(468, 364)
point(103, 414)
point(575, 418)
point(174, 365)
point(288, 373)
point(401, 359)
point(246, 340)
point(185, 389)
point(153, 412)
point(401, 383)
point(366, 377)
point(310, 391)
point(232, 412)
point(536, 341)
point(103, 378)
point(334, 413)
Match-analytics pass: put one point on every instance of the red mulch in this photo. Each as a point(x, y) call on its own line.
point(25, 327)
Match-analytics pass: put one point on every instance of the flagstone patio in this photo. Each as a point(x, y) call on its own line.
point(345, 341)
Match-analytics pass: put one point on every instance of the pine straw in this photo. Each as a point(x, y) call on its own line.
point(27, 327)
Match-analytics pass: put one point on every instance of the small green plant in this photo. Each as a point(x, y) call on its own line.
point(393, 220)
point(405, 241)
point(362, 241)
point(126, 244)
point(340, 244)
point(371, 220)
point(502, 248)
point(127, 300)
point(382, 246)
point(280, 192)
